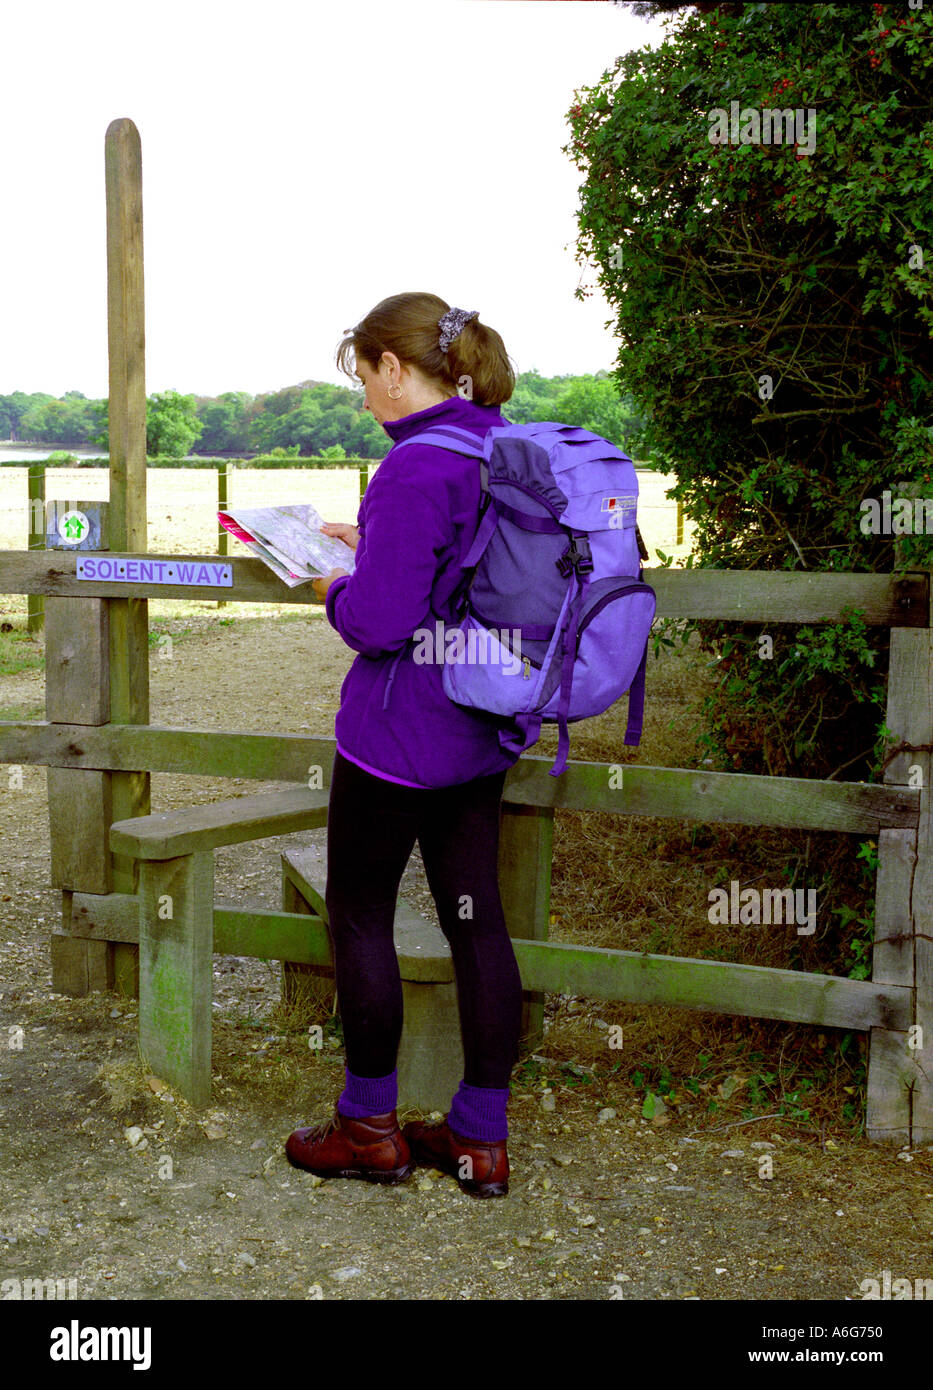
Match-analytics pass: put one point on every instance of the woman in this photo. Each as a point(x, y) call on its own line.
point(411, 765)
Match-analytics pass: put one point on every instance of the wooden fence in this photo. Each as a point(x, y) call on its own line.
point(100, 750)
point(225, 469)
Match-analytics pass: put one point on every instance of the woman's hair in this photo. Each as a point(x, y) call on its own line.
point(407, 324)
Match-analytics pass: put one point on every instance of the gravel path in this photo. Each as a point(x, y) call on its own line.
point(113, 1182)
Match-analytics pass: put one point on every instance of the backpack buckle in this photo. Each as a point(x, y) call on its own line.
point(566, 562)
point(575, 559)
point(583, 554)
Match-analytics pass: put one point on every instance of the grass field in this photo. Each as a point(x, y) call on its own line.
point(182, 512)
point(182, 502)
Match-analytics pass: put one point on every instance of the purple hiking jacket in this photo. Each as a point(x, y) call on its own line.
point(417, 520)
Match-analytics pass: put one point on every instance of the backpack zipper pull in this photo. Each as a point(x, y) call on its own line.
point(526, 674)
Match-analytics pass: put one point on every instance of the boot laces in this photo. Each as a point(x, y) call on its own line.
point(321, 1131)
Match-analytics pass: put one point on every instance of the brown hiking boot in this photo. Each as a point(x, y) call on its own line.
point(481, 1168)
point(373, 1149)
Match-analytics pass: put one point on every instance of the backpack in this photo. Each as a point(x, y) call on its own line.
point(553, 592)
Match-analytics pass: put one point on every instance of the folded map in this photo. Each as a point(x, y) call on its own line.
point(289, 540)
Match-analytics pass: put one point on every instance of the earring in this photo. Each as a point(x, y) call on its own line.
point(397, 390)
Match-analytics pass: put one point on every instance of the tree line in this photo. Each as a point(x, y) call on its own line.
point(313, 419)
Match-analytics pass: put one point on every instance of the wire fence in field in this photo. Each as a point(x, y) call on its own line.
point(182, 503)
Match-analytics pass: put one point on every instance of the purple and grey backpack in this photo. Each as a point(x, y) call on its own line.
point(554, 597)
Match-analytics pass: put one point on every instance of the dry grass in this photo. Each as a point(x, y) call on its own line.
point(641, 884)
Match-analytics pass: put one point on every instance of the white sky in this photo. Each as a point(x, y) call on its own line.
point(301, 161)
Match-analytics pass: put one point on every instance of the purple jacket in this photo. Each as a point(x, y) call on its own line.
point(417, 521)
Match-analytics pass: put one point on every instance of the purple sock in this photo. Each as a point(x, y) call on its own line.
point(478, 1113)
point(368, 1095)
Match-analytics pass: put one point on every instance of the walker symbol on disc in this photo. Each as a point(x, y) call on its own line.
point(73, 527)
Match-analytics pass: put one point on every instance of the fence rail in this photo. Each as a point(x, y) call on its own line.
point(894, 600)
point(87, 746)
point(90, 743)
point(225, 468)
point(792, 803)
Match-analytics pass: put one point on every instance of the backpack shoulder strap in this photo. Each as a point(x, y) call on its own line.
point(460, 441)
point(452, 437)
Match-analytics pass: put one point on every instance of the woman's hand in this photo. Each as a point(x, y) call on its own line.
point(320, 586)
point(350, 535)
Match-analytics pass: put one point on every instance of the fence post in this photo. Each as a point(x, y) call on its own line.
point(35, 488)
point(899, 1104)
point(77, 691)
point(176, 903)
point(129, 617)
point(526, 837)
point(224, 477)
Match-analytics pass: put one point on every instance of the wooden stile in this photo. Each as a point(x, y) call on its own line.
point(176, 905)
point(793, 803)
point(299, 936)
point(138, 890)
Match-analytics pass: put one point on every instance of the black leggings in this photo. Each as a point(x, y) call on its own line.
point(371, 831)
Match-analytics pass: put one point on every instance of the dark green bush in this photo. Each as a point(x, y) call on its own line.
point(773, 309)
